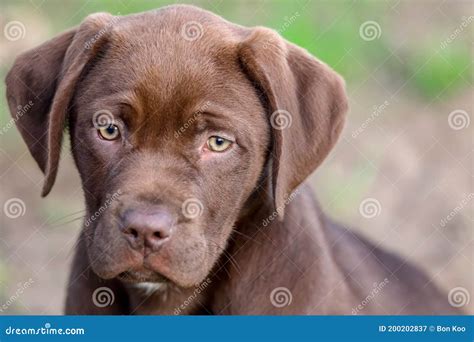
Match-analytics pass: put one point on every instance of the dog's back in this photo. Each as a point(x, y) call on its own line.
point(383, 282)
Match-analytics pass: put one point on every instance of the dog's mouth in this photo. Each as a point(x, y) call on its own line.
point(182, 261)
point(142, 275)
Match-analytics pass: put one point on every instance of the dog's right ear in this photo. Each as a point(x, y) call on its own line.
point(40, 86)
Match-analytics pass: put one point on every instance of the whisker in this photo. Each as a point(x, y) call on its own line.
point(67, 222)
point(228, 255)
point(246, 236)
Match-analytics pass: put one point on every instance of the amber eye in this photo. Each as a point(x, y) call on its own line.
point(110, 132)
point(218, 144)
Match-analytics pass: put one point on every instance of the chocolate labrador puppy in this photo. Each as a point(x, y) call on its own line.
point(192, 137)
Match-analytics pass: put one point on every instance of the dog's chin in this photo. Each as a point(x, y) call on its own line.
point(141, 274)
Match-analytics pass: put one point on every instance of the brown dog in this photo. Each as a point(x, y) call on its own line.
point(192, 136)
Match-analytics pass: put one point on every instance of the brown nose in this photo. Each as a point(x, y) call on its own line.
point(147, 229)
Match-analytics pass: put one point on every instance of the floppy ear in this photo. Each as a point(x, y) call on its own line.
point(306, 106)
point(40, 86)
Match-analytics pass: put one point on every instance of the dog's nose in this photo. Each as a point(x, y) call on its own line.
point(147, 229)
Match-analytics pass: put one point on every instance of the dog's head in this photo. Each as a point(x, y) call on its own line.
point(177, 118)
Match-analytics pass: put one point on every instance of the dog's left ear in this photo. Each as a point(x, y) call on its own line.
point(307, 105)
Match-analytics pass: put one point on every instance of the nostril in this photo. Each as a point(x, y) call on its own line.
point(156, 238)
point(133, 232)
point(158, 235)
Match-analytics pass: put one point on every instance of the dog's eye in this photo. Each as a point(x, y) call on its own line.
point(110, 132)
point(218, 144)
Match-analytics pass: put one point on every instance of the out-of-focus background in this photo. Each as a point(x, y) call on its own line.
point(402, 173)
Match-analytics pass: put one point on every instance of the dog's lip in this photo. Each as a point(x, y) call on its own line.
point(141, 275)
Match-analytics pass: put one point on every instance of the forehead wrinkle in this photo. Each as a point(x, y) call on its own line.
point(176, 93)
